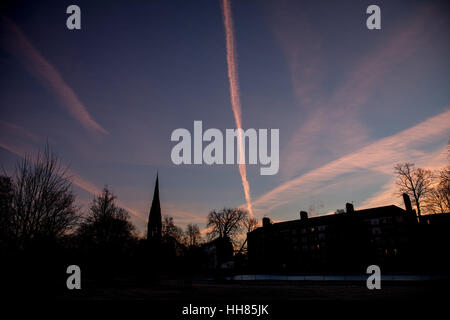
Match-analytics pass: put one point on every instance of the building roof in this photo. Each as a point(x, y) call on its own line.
point(368, 213)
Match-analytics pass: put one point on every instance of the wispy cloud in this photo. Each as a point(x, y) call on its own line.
point(235, 96)
point(334, 124)
point(186, 213)
point(20, 47)
point(23, 149)
point(387, 194)
point(302, 50)
point(14, 130)
point(379, 156)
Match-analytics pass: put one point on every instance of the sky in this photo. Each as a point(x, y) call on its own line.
point(349, 102)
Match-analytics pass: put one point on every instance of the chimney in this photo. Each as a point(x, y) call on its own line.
point(407, 202)
point(349, 208)
point(266, 222)
point(303, 215)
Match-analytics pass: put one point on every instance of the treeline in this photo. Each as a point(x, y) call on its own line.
point(38, 208)
point(38, 204)
point(43, 230)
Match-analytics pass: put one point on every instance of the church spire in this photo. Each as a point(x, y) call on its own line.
point(154, 218)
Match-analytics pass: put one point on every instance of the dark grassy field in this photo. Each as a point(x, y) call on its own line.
point(198, 291)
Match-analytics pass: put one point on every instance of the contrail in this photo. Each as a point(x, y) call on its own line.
point(235, 99)
point(76, 179)
point(18, 45)
point(378, 156)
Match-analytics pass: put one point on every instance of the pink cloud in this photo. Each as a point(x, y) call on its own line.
point(379, 156)
point(14, 130)
point(334, 124)
point(387, 194)
point(22, 149)
point(303, 50)
point(186, 213)
point(20, 47)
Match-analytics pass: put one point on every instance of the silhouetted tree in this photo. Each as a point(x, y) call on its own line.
point(438, 199)
point(42, 200)
point(227, 222)
point(444, 187)
point(172, 245)
point(106, 237)
point(106, 224)
point(416, 182)
point(249, 224)
point(6, 198)
point(193, 235)
point(170, 230)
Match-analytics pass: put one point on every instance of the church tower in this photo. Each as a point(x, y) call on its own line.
point(154, 218)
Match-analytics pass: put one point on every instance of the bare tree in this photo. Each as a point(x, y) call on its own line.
point(6, 212)
point(227, 222)
point(193, 235)
point(106, 224)
point(170, 230)
point(42, 201)
point(416, 182)
point(250, 224)
point(438, 199)
point(444, 187)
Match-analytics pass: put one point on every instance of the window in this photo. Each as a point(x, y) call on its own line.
point(387, 220)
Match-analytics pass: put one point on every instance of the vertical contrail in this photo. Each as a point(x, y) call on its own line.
point(235, 99)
